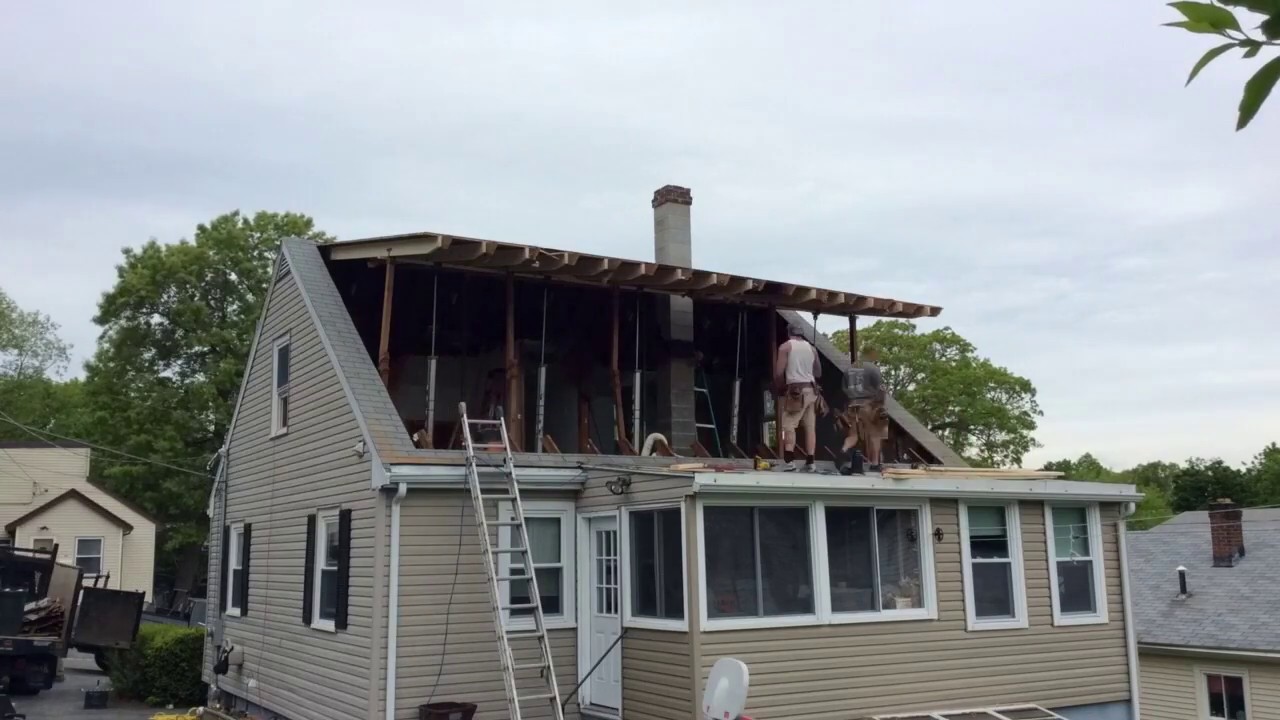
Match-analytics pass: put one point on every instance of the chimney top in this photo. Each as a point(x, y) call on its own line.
point(672, 194)
point(1226, 530)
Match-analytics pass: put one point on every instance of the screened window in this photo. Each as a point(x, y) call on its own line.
point(993, 566)
point(89, 555)
point(873, 559)
point(758, 561)
point(1225, 694)
point(280, 395)
point(657, 564)
point(328, 558)
point(1075, 538)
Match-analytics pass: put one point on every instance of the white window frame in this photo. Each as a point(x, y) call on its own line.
point(1013, 521)
point(564, 510)
point(819, 565)
point(279, 425)
point(1096, 556)
point(629, 620)
point(235, 564)
point(102, 553)
point(925, 543)
point(1202, 673)
point(53, 541)
point(323, 518)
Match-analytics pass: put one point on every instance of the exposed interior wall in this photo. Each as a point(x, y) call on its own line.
point(842, 671)
point(1169, 685)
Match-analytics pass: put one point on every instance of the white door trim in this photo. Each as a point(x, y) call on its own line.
point(583, 561)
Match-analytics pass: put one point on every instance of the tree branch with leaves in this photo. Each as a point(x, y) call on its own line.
point(1216, 19)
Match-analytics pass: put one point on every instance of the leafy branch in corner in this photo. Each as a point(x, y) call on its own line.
point(1216, 19)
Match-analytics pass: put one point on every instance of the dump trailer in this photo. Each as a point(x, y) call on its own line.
point(45, 609)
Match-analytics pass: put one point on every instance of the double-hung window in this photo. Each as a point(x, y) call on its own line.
point(656, 564)
point(89, 555)
point(1076, 578)
point(551, 552)
point(991, 550)
point(235, 567)
point(1223, 694)
point(328, 557)
point(759, 562)
point(280, 387)
point(875, 561)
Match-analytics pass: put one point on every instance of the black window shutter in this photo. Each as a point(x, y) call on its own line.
point(243, 579)
point(222, 574)
point(344, 568)
point(309, 571)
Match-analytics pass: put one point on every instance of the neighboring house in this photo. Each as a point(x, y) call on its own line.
point(1212, 651)
point(348, 562)
point(47, 500)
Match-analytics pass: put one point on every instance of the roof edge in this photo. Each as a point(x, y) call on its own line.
point(71, 494)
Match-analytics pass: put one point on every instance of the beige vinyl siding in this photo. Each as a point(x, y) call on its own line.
point(275, 483)
point(45, 473)
point(657, 665)
point(69, 520)
point(443, 592)
point(24, 472)
point(1170, 684)
point(842, 671)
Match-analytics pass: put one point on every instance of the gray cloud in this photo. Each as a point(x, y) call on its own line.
point(1039, 172)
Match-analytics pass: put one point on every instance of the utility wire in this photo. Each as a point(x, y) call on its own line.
point(39, 435)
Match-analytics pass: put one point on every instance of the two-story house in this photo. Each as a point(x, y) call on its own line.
point(47, 501)
point(638, 394)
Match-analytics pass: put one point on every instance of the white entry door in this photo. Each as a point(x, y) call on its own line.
point(605, 615)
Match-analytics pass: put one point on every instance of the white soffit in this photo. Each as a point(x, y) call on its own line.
point(951, 486)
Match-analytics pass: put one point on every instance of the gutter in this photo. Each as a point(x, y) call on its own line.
point(1130, 630)
point(393, 601)
point(772, 482)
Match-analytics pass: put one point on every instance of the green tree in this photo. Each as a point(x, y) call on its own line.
point(1200, 482)
point(1264, 475)
point(1154, 507)
point(29, 342)
point(1085, 467)
point(981, 410)
point(176, 331)
point(1216, 19)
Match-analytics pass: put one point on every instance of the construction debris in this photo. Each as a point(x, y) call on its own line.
point(903, 473)
point(43, 617)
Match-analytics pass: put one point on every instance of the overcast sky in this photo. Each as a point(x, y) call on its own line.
point(1035, 168)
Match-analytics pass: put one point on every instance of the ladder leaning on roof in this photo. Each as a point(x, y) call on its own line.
point(520, 568)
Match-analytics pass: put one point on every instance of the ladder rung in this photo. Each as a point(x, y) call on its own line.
point(483, 421)
point(530, 666)
point(519, 606)
point(505, 523)
point(488, 446)
point(539, 696)
point(489, 496)
point(705, 425)
point(509, 551)
point(510, 578)
point(521, 634)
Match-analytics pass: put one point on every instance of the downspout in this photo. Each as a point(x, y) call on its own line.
point(1130, 633)
point(393, 600)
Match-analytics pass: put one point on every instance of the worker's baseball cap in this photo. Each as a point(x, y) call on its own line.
point(795, 331)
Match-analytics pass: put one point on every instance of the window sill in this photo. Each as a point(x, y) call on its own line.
point(890, 616)
point(233, 613)
point(1068, 620)
point(759, 623)
point(278, 433)
point(324, 626)
point(643, 623)
point(980, 625)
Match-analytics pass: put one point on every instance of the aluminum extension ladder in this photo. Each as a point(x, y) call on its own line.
point(518, 552)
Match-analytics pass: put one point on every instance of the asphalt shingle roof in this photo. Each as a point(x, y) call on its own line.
point(1235, 608)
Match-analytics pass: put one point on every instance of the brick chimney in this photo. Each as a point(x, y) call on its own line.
point(1226, 526)
point(673, 245)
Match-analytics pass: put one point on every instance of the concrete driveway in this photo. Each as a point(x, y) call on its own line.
point(66, 702)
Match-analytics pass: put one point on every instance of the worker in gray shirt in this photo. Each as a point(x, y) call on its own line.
point(866, 417)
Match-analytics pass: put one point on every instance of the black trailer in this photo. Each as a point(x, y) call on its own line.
point(93, 619)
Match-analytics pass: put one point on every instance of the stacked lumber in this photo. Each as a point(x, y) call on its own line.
point(43, 617)
point(937, 471)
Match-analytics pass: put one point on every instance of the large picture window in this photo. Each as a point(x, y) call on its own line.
point(1076, 573)
point(759, 561)
point(656, 564)
point(991, 546)
point(873, 558)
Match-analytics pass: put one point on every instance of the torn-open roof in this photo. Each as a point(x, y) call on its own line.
point(451, 250)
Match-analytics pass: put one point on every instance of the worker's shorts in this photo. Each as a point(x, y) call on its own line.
point(798, 408)
point(874, 420)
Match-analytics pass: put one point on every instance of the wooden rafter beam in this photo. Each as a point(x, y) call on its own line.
point(699, 281)
point(507, 257)
point(468, 251)
point(587, 266)
point(384, 336)
point(424, 245)
point(662, 276)
point(628, 271)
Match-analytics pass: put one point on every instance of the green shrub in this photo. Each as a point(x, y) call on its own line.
point(162, 667)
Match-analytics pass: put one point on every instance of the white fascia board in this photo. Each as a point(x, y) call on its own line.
point(933, 487)
point(451, 477)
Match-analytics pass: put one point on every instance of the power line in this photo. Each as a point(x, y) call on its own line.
point(39, 435)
